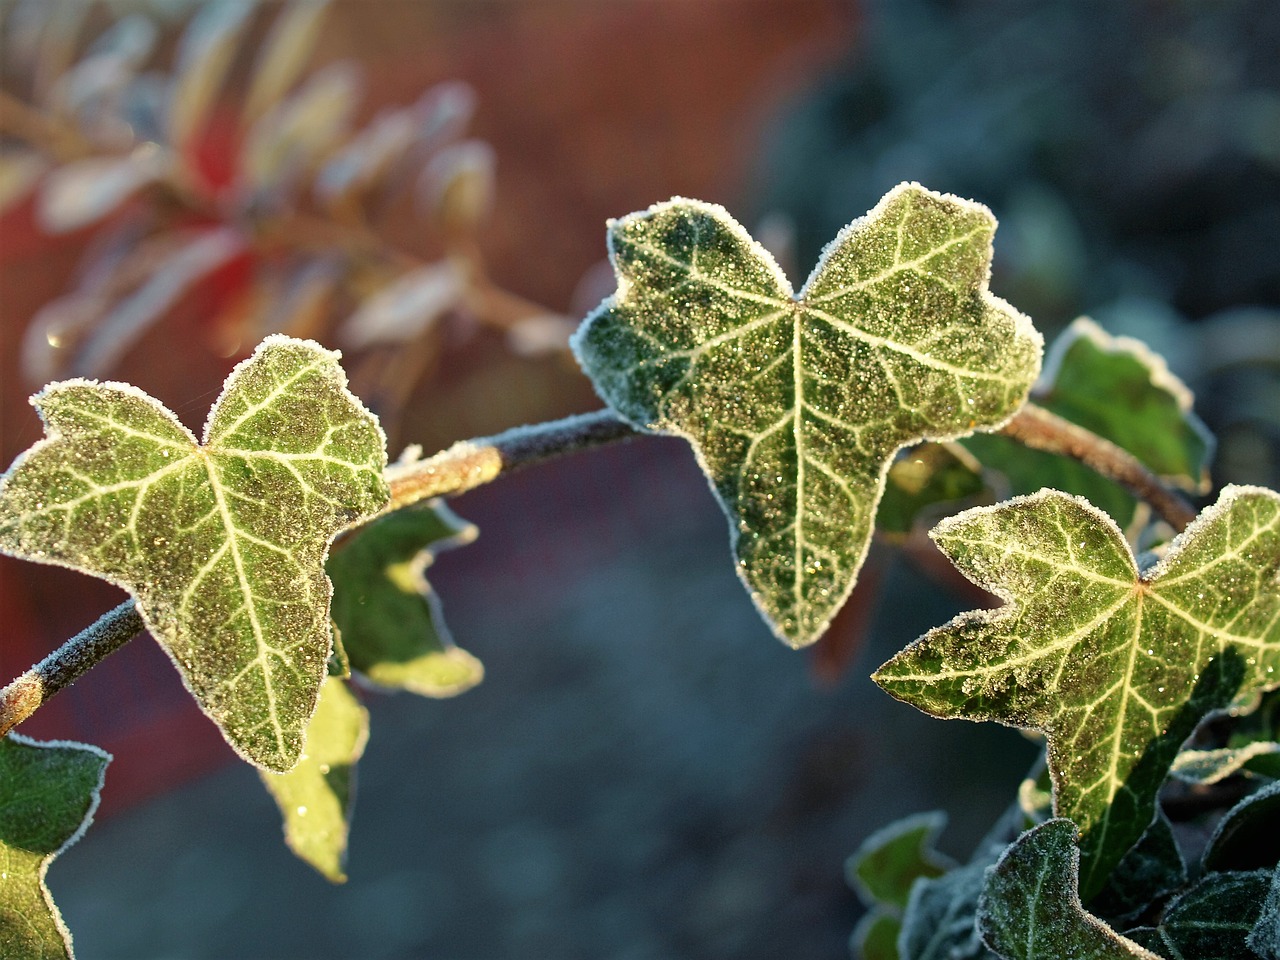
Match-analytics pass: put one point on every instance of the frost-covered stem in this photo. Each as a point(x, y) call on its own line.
point(68, 663)
point(471, 463)
point(1037, 428)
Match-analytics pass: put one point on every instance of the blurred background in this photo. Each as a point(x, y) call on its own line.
point(645, 772)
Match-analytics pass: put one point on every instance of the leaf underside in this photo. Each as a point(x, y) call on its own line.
point(1116, 668)
point(316, 796)
point(796, 403)
point(223, 542)
point(388, 616)
point(48, 793)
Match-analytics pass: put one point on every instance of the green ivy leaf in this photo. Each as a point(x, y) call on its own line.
point(876, 937)
point(1115, 667)
point(1212, 920)
point(315, 797)
point(221, 543)
point(48, 793)
point(387, 614)
point(796, 403)
point(1030, 907)
point(1120, 389)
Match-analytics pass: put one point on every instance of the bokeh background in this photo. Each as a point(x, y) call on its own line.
point(645, 772)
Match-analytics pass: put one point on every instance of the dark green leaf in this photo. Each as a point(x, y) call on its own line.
point(1212, 920)
point(797, 403)
point(1151, 870)
point(1248, 837)
point(1030, 906)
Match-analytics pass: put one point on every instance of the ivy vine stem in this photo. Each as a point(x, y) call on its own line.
point(473, 463)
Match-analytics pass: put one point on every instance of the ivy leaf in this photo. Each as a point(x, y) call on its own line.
point(1114, 666)
point(388, 616)
point(48, 794)
point(1212, 920)
point(315, 797)
point(796, 403)
point(1030, 906)
point(939, 922)
point(1120, 389)
point(882, 871)
point(221, 543)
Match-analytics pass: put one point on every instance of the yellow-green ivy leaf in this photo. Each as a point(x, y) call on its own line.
point(389, 618)
point(316, 796)
point(796, 403)
point(1115, 666)
point(48, 793)
point(222, 542)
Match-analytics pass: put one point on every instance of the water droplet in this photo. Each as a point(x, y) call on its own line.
point(302, 811)
point(324, 768)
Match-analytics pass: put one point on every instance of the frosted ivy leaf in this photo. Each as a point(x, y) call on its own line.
point(223, 542)
point(1212, 920)
point(316, 796)
point(48, 793)
point(389, 618)
point(1114, 666)
point(1030, 906)
point(796, 403)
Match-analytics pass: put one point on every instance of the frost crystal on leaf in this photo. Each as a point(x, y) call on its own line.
point(796, 403)
point(223, 542)
point(1115, 667)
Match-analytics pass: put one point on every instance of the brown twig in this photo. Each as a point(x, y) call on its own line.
point(1037, 428)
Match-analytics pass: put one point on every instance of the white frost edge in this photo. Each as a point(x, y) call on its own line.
point(95, 798)
point(1230, 494)
point(1158, 374)
point(1022, 323)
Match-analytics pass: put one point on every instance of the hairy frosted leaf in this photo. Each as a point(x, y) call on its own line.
point(940, 920)
point(405, 308)
point(1115, 667)
point(223, 542)
point(796, 403)
point(1247, 838)
point(316, 796)
point(389, 618)
point(48, 793)
point(1030, 906)
point(19, 172)
point(1261, 757)
point(1212, 920)
point(1265, 938)
point(1120, 389)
